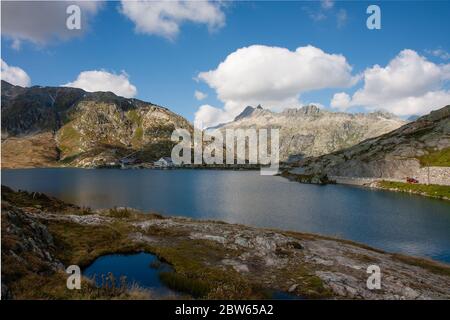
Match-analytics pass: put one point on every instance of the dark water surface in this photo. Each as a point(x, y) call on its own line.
point(138, 269)
point(395, 222)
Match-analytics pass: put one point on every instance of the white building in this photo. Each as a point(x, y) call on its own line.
point(164, 162)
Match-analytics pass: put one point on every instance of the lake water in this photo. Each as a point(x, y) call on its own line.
point(395, 222)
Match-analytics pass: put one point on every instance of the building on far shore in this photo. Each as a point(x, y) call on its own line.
point(164, 162)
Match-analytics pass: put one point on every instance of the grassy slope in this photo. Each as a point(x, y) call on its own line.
point(439, 158)
point(432, 190)
point(39, 150)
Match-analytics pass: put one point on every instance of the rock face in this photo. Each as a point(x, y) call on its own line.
point(78, 128)
point(397, 154)
point(26, 243)
point(310, 131)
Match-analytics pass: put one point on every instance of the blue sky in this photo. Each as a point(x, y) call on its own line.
point(163, 68)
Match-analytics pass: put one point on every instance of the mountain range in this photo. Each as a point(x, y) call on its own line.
point(51, 126)
point(63, 126)
point(311, 131)
point(400, 153)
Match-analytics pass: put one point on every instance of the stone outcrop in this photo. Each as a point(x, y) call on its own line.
point(27, 243)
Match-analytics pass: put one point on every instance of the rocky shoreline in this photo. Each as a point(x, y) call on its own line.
point(41, 235)
point(441, 192)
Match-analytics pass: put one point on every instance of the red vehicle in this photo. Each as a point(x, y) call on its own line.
point(411, 180)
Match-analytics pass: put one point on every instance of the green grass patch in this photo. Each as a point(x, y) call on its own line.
point(69, 141)
point(429, 265)
point(179, 282)
point(134, 117)
point(137, 136)
point(196, 272)
point(430, 190)
point(82, 244)
point(309, 285)
point(439, 158)
point(121, 213)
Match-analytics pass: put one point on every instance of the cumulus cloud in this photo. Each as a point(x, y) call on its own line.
point(208, 116)
point(14, 75)
point(41, 22)
point(100, 80)
point(409, 84)
point(199, 95)
point(163, 18)
point(272, 76)
point(341, 101)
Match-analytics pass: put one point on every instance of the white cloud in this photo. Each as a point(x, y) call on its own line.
point(41, 22)
point(274, 77)
point(317, 16)
point(409, 84)
point(440, 53)
point(100, 80)
point(327, 4)
point(14, 75)
point(326, 10)
point(16, 44)
point(341, 17)
point(163, 18)
point(420, 105)
point(341, 101)
point(200, 95)
point(208, 116)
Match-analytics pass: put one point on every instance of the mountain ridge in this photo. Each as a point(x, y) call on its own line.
point(311, 131)
point(394, 155)
point(69, 126)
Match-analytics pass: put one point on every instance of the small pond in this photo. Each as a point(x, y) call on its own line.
point(142, 269)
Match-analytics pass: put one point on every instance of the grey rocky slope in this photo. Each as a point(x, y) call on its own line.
point(397, 154)
point(310, 131)
point(46, 126)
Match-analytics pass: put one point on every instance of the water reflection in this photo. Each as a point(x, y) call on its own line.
point(391, 221)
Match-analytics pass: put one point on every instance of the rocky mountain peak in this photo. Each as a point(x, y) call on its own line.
point(383, 114)
point(305, 110)
point(246, 112)
point(310, 109)
point(310, 131)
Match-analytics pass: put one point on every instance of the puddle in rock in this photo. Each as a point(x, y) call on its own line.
point(281, 295)
point(141, 269)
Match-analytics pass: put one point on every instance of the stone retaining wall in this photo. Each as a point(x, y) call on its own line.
point(434, 175)
point(427, 175)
